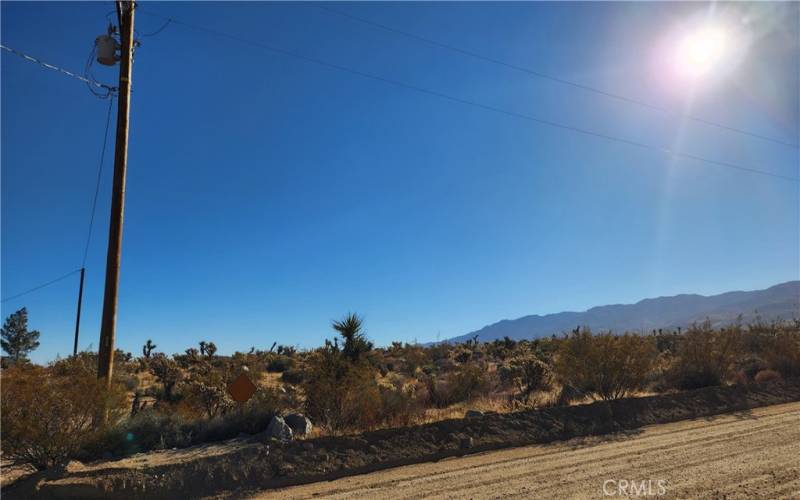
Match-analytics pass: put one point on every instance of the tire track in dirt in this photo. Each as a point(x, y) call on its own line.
point(517, 468)
point(750, 455)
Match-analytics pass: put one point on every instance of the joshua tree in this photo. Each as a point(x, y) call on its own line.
point(211, 349)
point(203, 347)
point(167, 372)
point(17, 340)
point(147, 349)
point(355, 341)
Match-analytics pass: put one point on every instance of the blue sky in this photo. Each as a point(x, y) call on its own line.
point(268, 195)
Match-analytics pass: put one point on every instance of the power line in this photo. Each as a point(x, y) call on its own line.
point(87, 73)
point(97, 183)
point(156, 32)
point(557, 79)
point(60, 70)
point(41, 286)
point(475, 104)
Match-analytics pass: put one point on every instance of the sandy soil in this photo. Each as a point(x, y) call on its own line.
point(753, 454)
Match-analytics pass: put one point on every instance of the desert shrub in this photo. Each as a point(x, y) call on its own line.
point(463, 356)
point(340, 394)
point(439, 351)
point(231, 367)
point(466, 382)
point(783, 355)
point(534, 376)
point(666, 342)
point(750, 368)
point(414, 358)
point(168, 373)
point(705, 357)
point(85, 363)
point(155, 430)
point(567, 395)
point(767, 376)
point(339, 384)
point(508, 374)
point(205, 390)
point(400, 406)
point(147, 430)
point(279, 364)
point(47, 418)
point(189, 359)
point(501, 349)
point(293, 376)
point(606, 365)
point(250, 418)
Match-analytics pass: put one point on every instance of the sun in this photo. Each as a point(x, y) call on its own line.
point(701, 51)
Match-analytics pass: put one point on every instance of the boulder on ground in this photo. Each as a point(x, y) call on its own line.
point(300, 424)
point(278, 429)
point(473, 414)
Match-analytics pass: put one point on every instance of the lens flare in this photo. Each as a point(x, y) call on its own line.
point(701, 51)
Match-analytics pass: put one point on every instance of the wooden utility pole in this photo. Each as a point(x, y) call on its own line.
point(78, 315)
point(108, 325)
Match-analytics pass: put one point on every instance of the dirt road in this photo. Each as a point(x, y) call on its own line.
point(754, 454)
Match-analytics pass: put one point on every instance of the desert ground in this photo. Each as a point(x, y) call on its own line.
point(751, 454)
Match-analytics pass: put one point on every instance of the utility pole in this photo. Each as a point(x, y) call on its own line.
point(108, 325)
point(78, 316)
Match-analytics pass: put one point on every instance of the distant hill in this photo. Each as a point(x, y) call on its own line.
point(777, 302)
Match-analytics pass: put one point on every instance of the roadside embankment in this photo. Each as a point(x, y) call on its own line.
point(249, 464)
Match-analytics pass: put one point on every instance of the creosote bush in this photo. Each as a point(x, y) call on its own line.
point(340, 393)
point(705, 357)
point(605, 365)
point(783, 355)
point(467, 382)
point(46, 419)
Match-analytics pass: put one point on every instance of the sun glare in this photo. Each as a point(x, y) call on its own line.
point(701, 51)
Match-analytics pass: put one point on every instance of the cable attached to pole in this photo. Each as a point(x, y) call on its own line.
point(56, 68)
point(97, 183)
point(39, 287)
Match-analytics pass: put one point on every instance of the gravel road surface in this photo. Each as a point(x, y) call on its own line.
point(753, 454)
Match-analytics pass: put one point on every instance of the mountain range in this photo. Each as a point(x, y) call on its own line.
point(777, 302)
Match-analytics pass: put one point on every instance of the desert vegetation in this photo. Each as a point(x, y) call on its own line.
point(52, 414)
